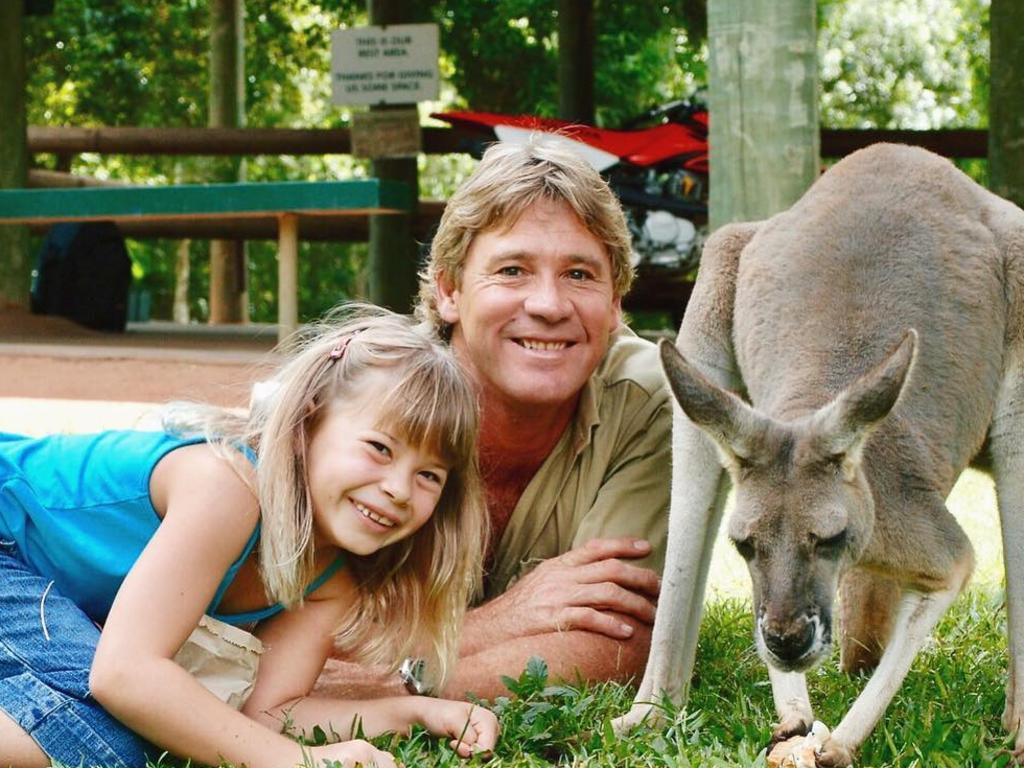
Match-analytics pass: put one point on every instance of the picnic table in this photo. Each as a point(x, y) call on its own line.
point(286, 201)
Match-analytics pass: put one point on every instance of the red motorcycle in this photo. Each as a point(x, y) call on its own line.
point(657, 165)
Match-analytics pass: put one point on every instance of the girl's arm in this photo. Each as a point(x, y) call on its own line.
point(296, 645)
point(209, 516)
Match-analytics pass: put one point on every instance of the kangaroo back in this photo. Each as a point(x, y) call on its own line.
point(891, 238)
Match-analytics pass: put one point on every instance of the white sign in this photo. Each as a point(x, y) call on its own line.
point(396, 64)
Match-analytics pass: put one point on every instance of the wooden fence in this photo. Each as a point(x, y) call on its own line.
point(436, 141)
point(662, 289)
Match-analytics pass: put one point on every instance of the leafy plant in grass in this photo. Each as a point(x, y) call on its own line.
point(947, 712)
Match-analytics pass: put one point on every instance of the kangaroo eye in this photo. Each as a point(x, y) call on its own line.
point(834, 460)
point(832, 546)
point(745, 547)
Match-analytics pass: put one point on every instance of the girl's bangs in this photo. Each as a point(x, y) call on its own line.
point(431, 407)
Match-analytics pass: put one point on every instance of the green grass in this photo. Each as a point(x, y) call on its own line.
point(945, 714)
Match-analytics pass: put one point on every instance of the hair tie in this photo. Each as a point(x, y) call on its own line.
point(339, 350)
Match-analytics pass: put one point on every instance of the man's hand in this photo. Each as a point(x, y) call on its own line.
point(588, 588)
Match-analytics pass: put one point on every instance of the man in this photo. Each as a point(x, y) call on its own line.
point(526, 277)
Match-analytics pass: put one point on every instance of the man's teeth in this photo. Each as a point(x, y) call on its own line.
point(372, 515)
point(546, 346)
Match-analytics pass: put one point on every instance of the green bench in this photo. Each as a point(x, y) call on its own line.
point(285, 201)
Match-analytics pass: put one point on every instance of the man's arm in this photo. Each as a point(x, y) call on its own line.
point(570, 656)
point(587, 613)
point(590, 588)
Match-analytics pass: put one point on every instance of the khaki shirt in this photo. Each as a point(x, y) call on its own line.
point(609, 474)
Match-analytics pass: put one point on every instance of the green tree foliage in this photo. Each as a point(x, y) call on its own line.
point(915, 64)
point(1006, 109)
point(117, 64)
point(502, 54)
point(132, 62)
point(885, 63)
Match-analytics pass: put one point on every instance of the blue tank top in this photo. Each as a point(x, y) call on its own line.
point(77, 507)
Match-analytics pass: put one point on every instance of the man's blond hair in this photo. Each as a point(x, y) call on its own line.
point(509, 179)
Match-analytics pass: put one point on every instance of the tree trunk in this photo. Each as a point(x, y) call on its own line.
point(229, 300)
point(763, 101)
point(576, 60)
point(392, 249)
point(15, 264)
point(1006, 105)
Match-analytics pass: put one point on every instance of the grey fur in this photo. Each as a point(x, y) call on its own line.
point(875, 329)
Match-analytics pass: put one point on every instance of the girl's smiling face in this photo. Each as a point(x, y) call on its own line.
point(369, 487)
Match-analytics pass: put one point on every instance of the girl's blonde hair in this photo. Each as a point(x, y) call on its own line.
point(413, 593)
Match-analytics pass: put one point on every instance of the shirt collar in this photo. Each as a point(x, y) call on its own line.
point(588, 411)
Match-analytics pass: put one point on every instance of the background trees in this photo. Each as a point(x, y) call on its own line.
point(502, 55)
point(898, 64)
point(883, 63)
point(1006, 138)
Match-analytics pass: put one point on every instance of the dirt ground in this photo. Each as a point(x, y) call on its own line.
point(45, 357)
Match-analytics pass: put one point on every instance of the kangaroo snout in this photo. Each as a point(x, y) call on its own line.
point(795, 644)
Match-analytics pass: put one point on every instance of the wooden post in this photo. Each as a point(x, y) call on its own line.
point(576, 60)
point(287, 274)
point(182, 268)
point(229, 299)
point(393, 252)
point(1005, 104)
point(763, 102)
point(15, 262)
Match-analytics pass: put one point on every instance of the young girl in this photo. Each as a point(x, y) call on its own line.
point(346, 504)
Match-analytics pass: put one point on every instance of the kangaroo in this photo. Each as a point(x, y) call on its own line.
point(845, 360)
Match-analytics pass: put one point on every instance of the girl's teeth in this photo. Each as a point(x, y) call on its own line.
point(373, 515)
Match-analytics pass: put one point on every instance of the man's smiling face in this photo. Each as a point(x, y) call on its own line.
point(535, 308)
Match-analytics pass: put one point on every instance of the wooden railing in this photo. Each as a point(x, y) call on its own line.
point(663, 290)
point(957, 142)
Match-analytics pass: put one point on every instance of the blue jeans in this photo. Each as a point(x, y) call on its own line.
point(44, 674)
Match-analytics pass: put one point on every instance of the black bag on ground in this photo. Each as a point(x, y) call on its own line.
point(83, 273)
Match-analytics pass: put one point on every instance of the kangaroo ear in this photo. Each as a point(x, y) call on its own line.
point(735, 427)
point(843, 425)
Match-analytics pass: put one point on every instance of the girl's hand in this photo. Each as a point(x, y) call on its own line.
point(472, 728)
point(351, 754)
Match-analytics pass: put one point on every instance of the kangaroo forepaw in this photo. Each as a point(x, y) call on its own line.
point(1012, 722)
point(834, 755)
point(645, 713)
point(793, 725)
point(1017, 753)
point(803, 750)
